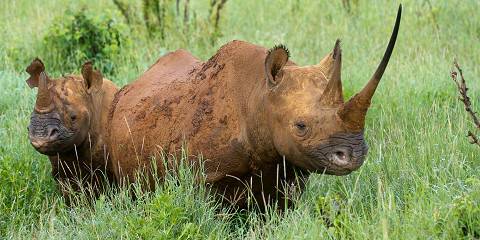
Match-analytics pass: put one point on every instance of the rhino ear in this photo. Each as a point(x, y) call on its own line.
point(276, 58)
point(34, 69)
point(93, 78)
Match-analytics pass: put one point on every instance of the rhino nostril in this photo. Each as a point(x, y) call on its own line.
point(340, 155)
point(53, 133)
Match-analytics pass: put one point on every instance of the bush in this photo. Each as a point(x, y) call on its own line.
point(79, 36)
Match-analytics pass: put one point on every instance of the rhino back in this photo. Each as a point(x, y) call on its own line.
point(182, 100)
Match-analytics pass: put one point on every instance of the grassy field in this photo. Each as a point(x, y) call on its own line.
point(421, 179)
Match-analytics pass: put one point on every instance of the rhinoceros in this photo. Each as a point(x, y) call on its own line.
point(68, 124)
point(254, 117)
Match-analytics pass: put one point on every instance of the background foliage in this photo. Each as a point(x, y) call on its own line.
point(76, 36)
point(421, 178)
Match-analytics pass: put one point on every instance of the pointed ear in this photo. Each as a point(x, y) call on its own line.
point(34, 69)
point(93, 78)
point(276, 58)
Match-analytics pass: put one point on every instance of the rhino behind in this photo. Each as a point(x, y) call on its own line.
point(243, 110)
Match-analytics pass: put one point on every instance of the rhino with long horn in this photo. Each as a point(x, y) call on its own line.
point(245, 110)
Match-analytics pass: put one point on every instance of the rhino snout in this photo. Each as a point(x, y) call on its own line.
point(340, 154)
point(47, 133)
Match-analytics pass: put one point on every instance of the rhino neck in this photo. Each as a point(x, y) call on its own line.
point(246, 83)
point(257, 129)
point(101, 102)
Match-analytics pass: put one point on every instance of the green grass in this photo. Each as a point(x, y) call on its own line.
point(421, 178)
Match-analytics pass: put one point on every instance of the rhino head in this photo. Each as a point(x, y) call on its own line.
point(310, 123)
point(63, 111)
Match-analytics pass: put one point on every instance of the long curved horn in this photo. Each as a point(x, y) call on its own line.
point(355, 110)
point(44, 101)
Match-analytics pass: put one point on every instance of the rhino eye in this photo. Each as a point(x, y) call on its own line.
point(301, 128)
point(300, 125)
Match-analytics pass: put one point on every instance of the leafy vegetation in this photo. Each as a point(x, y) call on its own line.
point(76, 36)
point(420, 179)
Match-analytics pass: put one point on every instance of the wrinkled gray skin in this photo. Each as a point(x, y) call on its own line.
point(49, 135)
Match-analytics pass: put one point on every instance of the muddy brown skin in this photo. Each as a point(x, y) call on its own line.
point(243, 110)
point(68, 124)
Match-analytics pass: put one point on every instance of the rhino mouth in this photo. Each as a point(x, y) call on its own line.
point(341, 154)
point(48, 135)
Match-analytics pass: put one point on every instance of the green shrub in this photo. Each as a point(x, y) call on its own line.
point(79, 36)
